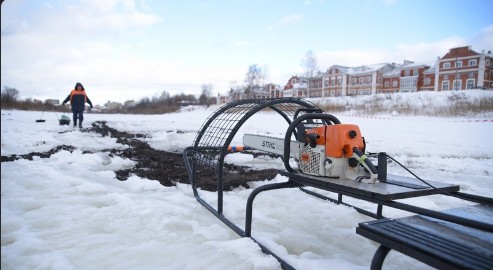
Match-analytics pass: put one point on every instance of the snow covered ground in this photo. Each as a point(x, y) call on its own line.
point(70, 212)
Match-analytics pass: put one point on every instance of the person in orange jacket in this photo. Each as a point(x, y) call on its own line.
point(78, 99)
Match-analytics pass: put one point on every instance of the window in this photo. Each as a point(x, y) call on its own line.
point(472, 62)
point(408, 82)
point(427, 81)
point(368, 80)
point(394, 83)
point(471, 75)
point(332, 81)
point(445, 77)
point(339, 80)
point(445, 86)
point(387, 84)
point(446, 65)
point(457, 84)
point(361, 80)
point(353, 91)
point(368, 91)
point(354, 81)
point(415, 72)
point(458, 64)
point(380, 80)
point(470, 84)
point(361, 92)
point(407, 72)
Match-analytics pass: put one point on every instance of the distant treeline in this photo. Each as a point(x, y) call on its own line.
point(456, 104)
point(158, 104)
point(166, 103)
point(10, 100)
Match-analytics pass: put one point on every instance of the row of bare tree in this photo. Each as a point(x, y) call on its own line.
point(257, 76)
point(162, 103)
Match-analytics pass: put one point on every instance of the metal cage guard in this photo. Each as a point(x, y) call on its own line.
point(211, 143)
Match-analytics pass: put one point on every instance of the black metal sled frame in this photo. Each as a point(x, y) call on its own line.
point(216, 134)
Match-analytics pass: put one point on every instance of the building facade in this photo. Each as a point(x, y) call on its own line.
point(296, 87)
point(411, 77)
point(460, 68)
point(335, 81)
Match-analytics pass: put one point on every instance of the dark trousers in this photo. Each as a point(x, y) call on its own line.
point(80, 116)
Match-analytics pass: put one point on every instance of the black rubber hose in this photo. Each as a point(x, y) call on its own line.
point(365, 160)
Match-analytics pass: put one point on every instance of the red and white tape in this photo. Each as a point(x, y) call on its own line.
point(396, 118)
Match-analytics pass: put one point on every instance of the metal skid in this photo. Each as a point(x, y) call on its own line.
point(216, 134)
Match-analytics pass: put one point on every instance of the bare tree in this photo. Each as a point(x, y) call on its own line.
point(253, 75)
point(310, 66)
point(205, 97)
point(9, 95)
point(165, 98)
point(255, 78)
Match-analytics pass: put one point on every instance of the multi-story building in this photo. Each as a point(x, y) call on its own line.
point(129, 104)
point(256, 92)
point(335, 81)
point(274, 90)
point(315, 85)
point(367, 80)
point(429, 82)
point(296, 87)
point(223, 99)
point(391, 79)
point(411, 77)
point(269, 90)
point(462, 68)
point(52, 101)
point(360, 80)
point(113, 106)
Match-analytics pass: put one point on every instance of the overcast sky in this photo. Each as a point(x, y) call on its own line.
point(130, 49)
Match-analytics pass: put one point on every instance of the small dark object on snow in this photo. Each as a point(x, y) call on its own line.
point(64, 120)
point(41, 120)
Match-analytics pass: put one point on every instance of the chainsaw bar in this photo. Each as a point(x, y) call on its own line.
point(270, 144)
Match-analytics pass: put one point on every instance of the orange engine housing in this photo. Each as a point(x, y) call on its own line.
point(339, 140)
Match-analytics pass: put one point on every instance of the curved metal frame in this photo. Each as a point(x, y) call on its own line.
point(215, 127)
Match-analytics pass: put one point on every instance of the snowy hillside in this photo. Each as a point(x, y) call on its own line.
point(471, 103)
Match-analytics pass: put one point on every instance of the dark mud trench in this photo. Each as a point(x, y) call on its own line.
point(166, 167)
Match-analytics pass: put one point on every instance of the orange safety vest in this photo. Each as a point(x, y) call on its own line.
point(77, 92)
